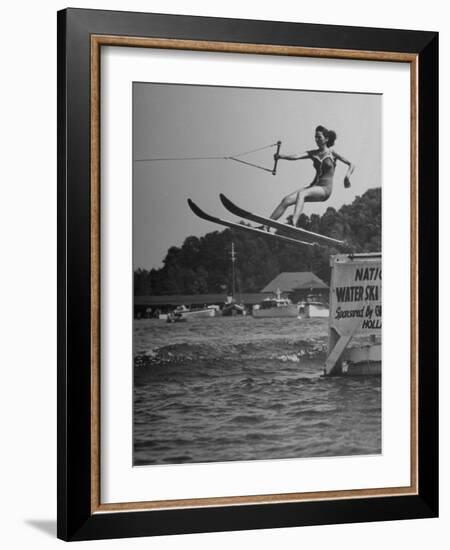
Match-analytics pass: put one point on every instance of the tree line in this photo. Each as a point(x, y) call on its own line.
point(202, 265)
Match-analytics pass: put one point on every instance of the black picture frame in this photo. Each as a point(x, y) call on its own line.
point(76, 518)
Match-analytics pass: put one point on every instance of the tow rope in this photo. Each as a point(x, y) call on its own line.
point(236, 157)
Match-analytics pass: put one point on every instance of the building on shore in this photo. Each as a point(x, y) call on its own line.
point(298, 287)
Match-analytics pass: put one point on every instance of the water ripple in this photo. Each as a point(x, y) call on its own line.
point(242, 389)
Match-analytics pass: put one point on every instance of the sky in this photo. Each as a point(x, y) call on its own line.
point(175, 120)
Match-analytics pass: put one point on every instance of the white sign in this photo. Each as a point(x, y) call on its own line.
point(355, 295)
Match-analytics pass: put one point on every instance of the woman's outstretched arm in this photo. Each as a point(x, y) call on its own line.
point(350, 165)
point(292, 157)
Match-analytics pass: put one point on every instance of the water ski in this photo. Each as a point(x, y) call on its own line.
point(286, 230)
point(241, 227)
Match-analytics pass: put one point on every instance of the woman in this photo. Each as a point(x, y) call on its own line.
point(324, 160)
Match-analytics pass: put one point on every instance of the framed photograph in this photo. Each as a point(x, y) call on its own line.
point(248, 304)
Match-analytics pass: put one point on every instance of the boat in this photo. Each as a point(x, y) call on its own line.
point(275, 306)
point(310, 309)
point(175, 317)
point(231, 306)
point(186, 313)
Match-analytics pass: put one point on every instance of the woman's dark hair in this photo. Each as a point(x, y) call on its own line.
point(329, 134)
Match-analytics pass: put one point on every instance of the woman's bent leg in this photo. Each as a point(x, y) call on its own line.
point(311, 194)
point(289, 200)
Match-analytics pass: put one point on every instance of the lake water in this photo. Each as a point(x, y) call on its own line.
point(240, 388)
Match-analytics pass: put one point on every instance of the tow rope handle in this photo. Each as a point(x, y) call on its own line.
point(274, 171)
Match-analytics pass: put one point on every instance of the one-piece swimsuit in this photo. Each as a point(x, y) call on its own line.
point(325, 168)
